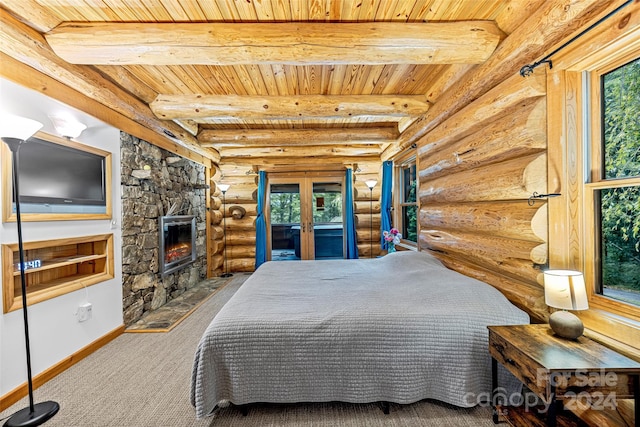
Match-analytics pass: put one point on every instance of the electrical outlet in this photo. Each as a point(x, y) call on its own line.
point(84, 312)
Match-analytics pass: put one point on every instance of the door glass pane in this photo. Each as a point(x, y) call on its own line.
point(285, 222)
point(327, 220)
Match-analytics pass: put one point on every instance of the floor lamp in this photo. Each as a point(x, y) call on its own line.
point(371, 183)
point(224, 188)
point(14, 131)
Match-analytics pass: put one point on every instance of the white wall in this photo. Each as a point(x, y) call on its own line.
point(54, 330)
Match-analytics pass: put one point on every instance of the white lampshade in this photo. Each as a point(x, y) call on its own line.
point(371, 183)
point(565, 289)
point(12, 126)
point(223, 187)
point(67, 126)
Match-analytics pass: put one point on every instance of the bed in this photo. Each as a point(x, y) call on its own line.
point(400, 328)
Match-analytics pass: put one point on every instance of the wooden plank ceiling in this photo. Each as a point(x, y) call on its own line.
point(258, 75)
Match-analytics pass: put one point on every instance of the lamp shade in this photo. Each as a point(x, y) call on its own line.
point(67, 127)
point(371, 183)
point(12, 126)
point(565, 289)
point(223, 187)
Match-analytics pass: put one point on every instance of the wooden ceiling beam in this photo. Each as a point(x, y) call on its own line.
point(292, 43)
point(195, 107)
point(307, 152)
point(293, 137)
point(284, 163)
point(27, 46)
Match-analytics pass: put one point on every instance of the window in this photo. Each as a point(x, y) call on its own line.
point(408, 206)
point(593, 105)
point(614, 182)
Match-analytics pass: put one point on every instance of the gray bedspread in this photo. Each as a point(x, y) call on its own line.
point(401, 328)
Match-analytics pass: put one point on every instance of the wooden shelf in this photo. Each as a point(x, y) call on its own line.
point(66, 265)
point(621, 416)
point(60, 262)
point(519, 416)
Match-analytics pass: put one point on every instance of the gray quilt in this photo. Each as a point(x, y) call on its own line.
point(401, 328)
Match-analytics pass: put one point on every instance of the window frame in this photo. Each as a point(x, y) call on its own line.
point(572, 129)
point(401, 164)
point(595, 181)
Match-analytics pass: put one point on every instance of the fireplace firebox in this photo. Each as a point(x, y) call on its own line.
point(177, 242)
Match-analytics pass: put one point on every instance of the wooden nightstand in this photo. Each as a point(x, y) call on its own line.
point(571, 377)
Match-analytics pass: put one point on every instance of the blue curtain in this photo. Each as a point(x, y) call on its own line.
point(350, 226)
point(386, 200)
point(261, 224)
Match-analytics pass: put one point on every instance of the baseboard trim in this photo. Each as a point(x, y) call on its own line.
point(23, 390)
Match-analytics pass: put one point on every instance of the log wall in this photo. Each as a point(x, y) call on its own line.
point(241, 232)
point(477, 170)
point(473, 193)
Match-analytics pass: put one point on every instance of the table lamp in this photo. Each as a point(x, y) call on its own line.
point(565, 289)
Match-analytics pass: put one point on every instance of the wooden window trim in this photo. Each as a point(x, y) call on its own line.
point(594, 181)
point(407, 159)
point(573, 126)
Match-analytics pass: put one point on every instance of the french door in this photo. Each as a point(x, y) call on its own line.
point(305, 216)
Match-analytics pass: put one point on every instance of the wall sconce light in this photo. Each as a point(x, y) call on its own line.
point(67, 126)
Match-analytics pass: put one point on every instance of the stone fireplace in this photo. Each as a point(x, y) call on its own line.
point(156, 184)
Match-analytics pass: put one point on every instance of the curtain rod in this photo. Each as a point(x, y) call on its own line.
point(404, 151)
point(527, 70)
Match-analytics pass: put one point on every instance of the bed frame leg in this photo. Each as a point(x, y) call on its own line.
point(244, 410)
point(385, 407)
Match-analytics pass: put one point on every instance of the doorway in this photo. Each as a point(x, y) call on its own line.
point(306, 217)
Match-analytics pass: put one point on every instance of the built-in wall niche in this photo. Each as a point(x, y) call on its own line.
point(60, 179)
point(55, 267)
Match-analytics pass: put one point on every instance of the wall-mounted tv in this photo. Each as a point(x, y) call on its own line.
point(60, 180)
point(56, 174)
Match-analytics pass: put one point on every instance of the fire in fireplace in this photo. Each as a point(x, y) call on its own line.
point(177, 242)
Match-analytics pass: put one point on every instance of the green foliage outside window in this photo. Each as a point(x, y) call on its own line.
point(285, 208)
point(410, 215)
point(332, 211)
point(409, 209)
point(620, 206)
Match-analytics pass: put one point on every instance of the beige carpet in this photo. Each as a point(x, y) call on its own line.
point(142, 380)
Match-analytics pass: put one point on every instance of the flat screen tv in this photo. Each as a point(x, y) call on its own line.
point(55, 174)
